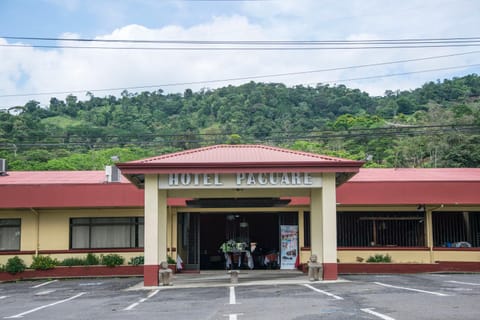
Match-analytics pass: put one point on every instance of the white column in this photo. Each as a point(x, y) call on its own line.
point(162, 225)
point(155, 249)
point(316, 223)
point(323, 225)
point(151, 243)
point(329, 216)
point(155, 222)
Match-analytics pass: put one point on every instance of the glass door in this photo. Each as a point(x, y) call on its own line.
point(189, 240)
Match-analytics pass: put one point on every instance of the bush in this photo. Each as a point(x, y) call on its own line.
point(380, 258)
point(112, 260)
point(43, 263)
point(92, 260)
point(68, 262)
point(15, 265)
point(170, 260)
point(2, 268)
point(137, 261)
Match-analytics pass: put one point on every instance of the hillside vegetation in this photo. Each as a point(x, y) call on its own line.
point(437, 125)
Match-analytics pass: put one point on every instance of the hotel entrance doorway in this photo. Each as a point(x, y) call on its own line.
point(259, 240)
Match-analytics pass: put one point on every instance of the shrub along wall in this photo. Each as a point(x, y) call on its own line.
point(74, 272)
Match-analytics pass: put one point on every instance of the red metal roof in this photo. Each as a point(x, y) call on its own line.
point(394, 193)
point(411, 174)
point(70, 196)
point(57, 189)
point(457, 186)
point(239, 158)
point(239, 154)
point(66, 189)
point(55, 177)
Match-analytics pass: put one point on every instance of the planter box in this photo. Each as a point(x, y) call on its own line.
point(173, 267)
point(74, 272)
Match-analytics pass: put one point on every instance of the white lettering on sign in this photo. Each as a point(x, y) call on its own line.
point(240, 180)
point(195, 179)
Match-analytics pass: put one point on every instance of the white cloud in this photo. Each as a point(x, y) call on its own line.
point(75, 69)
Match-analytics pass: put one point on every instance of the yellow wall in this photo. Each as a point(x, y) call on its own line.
point(398, 256)
point(54, 233)
point(54, 228)
point(27, 230)
point(55, 224)
point(452, 255)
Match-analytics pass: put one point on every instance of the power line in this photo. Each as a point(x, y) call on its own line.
point(292, 48)
point(253, 77)
point(403, 73)
point(258, 42)
point(146, 139)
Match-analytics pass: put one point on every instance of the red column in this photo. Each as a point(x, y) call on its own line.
point(150, 275)
point(330, 271)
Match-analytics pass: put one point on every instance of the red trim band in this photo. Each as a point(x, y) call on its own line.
point(455, 249)
point(7, 253)
point(90, 250)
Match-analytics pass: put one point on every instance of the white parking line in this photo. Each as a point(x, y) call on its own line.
point(412, 289)
point(3, 297)
point(133, 305)
point(233, 300)
point(45, 306)
point(467, 283)
point(42, 293)
point(377, 314)
point(43, 284)
point(323, 292)
point(91, 284)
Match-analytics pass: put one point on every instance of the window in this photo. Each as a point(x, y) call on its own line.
point(10, 234)
point(456, 229)
point(95, 233)
point(361, 229)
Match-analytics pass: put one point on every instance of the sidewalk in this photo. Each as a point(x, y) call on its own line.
point(206, 279)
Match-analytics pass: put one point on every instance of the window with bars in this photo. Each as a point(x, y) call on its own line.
point(10, 234)
point(99, 233)
point(456, 229)
point(362, 229)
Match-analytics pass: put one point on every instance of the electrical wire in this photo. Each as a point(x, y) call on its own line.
point(257, 42)
point(402, 73)
point(297, 48)
point(317, 135)
point(255, 77)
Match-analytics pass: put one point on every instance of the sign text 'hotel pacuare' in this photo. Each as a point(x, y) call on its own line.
point(239, 180)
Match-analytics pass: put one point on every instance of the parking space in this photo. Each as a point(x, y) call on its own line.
point(421, 296)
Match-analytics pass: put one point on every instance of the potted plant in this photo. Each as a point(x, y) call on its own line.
point(172, 264)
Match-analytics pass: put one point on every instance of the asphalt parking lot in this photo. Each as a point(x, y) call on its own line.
point(420, 296)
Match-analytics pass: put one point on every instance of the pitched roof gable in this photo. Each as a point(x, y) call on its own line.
point(239, 154)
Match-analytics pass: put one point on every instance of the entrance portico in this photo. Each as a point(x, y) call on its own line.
point(238, 172)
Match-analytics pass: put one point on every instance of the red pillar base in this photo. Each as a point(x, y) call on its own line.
point(150, 275)
point(330, 271)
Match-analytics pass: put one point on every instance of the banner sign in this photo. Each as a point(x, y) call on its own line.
point(288, 246)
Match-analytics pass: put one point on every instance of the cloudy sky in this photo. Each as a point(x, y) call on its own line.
point(259, 40)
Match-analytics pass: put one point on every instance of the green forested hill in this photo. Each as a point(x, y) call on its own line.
point(437, 125)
